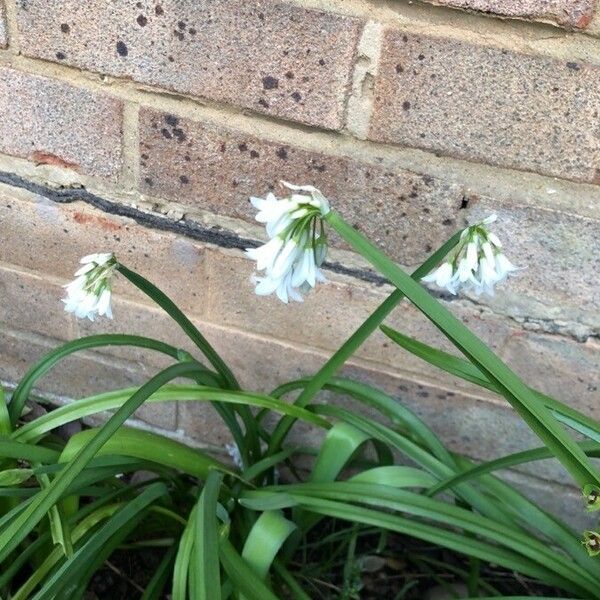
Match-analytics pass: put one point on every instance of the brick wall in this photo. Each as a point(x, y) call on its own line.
point(144, 127)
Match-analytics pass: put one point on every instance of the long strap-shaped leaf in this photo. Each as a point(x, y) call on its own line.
point(175, 392)
point(206, 541)
point(24, 523)
point(469, 372)
point(265, 540)
point(533, 412)
point(344, 352)
point(96, 546)
point(44, 365)
point(507, 558)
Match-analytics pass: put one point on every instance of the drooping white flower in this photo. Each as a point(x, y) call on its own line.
point(297, 247)
point(477, 263)
point(89, 294)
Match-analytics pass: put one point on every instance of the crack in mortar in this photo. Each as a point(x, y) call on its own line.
point(191, 229)
point(217, 236)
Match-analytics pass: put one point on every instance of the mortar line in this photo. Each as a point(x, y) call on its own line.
point(503, 183)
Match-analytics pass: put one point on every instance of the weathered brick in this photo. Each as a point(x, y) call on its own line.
point(559, 367)
point(490, 105)
point(77, 376)
point(575, 14)
point(49, 121)
point(217, 169)
point(62, 234)
point(3, 38)
point(331, 313)
point(561, 253)
point(273, 57)
point(31, 303)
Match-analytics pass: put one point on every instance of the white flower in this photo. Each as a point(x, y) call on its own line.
point(297, 246)
point(477, 264)
point(89, 295)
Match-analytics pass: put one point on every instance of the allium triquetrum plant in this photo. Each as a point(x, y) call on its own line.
point(242, 531)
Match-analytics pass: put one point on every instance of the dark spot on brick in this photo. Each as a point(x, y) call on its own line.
point(187, 158)
point(64, 27)
point(261, 16)
point(192, 31)
point(158, 9)
point(145, 157)
point(422, 135)
point(270, 83)
point(423, 394)
point(464, 202)
point(181, 25)
point(399, 68)
point(122, 49)
point(322, 62)
point(184, 179)
point(254, 154)
point(296, 96)
point(142, 21)
point(405, 38)
point(60, 55)
point(243, 147)
point(421, 57)
point(413, 194)
point(282, 153)
point(406, 105)
point(289, 75)
point(448, 222)
point(166, 133)
point(171, 59)
point(263, 102)
point(179, 134)
point(171, 120)
point(223, 147)
point(178, 35)
point(139, 4)
point(574, 66)
point(149, 181)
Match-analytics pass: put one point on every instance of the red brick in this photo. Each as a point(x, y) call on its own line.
point(49, 121)
point(572, 14)
point(217, 169)
point(488, 105)
point(269, 56)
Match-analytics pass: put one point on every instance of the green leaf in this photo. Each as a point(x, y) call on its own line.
point(533, 412)
point(186, 325)
point(206, 541)
point(522, 553)
point(395, 476)
point(266, 537)
point(147, 446)
point(469, 372)
point(183, 557)
point(29, 452)
point(242, 576)
point(98, 547)
point(349, 347)
point(44, 365)
point(12, 477)
point(5, 424)
point(181, 393)
point(24, 523)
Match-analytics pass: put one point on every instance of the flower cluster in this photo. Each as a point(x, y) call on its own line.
point(477, 264)
point(297, 245)
point(89, 294)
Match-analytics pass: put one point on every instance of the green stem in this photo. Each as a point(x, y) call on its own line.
point(252, 448)
point(356, 340)
point(531, 409)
